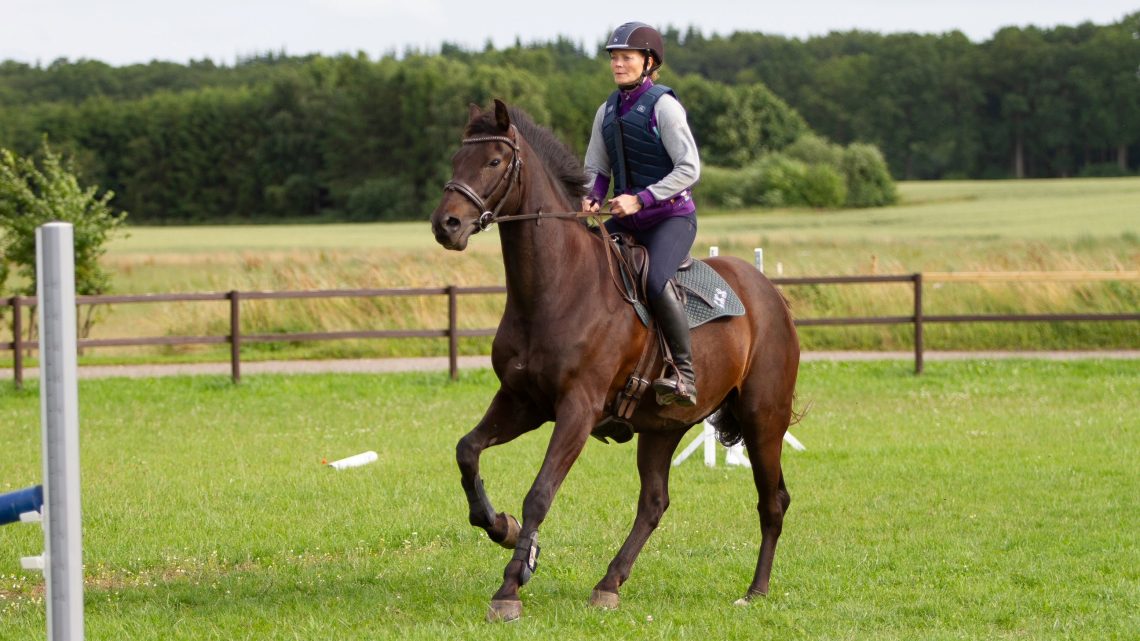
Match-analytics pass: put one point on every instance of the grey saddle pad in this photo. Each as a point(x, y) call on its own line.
point(707, 296)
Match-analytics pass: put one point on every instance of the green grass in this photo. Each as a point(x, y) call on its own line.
point(982, 500)
point(1025, 209)
point(958, 210)
point(1054, 225)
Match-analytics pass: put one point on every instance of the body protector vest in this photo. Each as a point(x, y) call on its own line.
point(637, 155)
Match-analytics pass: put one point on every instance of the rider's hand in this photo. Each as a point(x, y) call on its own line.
point(590, 205)
point(624, 205)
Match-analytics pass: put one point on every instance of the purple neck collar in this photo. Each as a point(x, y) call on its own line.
point(631, 96)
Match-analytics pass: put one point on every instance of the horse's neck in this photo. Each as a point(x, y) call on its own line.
point(547, 262)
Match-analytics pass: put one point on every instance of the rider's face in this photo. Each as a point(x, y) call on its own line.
point(627, 65)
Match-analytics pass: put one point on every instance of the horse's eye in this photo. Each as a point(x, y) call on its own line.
point(496, 162)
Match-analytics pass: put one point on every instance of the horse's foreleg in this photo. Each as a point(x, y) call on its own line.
point(505, 419)
point(654, 453)
point(571, 429)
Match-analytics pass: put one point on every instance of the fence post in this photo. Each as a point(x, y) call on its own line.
point(918, 323)
point(17, 347)
point(235, 336)
point(452, 333)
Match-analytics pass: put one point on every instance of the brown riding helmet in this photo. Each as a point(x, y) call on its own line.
point(639, 36)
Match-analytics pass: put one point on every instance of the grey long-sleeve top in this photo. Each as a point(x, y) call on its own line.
point(677, 138)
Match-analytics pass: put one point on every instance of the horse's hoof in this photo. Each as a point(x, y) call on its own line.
point(748, 598)
point(604, 600)
point(504, 611)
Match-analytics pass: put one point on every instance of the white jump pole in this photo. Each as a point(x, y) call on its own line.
point(59, 407)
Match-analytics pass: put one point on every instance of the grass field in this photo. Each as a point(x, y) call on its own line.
point(1054, 225)
point(982, 500)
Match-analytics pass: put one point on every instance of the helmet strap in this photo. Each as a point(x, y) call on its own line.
point(648, 70)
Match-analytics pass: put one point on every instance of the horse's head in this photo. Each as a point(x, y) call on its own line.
point(484, 174)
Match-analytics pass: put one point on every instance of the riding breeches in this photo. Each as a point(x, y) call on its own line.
point(668, 243)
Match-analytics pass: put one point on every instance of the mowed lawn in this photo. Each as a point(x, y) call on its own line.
point(981, 500)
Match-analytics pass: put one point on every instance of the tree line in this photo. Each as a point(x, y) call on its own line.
point(344, 138)
point(352, 138)
point(1029, 102)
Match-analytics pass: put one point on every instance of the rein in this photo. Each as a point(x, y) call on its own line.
point(512, 177)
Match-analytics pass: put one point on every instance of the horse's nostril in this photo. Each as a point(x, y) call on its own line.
point(452, 222)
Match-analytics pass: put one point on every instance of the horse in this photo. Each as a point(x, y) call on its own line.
point(568, 340)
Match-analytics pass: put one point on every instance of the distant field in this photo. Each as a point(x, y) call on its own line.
point(1053, 225)
point(982, 500)
point(942, 210)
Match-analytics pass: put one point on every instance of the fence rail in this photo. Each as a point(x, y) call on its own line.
point(452, 332)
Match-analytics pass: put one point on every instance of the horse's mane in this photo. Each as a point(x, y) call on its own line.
point(555, 155)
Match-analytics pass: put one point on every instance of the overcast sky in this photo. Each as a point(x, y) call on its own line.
point(130, 31)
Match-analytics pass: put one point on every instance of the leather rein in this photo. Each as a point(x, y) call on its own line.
point(512, 177)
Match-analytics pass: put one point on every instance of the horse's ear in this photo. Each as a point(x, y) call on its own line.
point(473, 111)
point(502, 118)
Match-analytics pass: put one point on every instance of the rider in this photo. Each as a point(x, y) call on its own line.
point(642, 139)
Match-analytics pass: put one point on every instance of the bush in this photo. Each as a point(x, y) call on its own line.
point(385, 198)
point(774, 181)
point(33, 194)
point(869, 182)
point(299, 195)
point(1103, 170)
point(823, 186)
point(811, 173)
point(720, 187)
point(815, 150)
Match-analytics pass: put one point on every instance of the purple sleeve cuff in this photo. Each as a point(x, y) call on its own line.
point(646, 198)
point(600, 189)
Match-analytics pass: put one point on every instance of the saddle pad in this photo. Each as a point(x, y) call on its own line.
point(707, 296)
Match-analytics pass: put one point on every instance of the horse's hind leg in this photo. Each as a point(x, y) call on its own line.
point(506, 418)
point(763, 436)
point(654, 453)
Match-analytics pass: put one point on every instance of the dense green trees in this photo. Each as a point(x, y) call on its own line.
point(351, 138)
point(342, 138)
point(1027, 103)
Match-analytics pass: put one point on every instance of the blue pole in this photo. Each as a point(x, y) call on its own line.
point(13, 504)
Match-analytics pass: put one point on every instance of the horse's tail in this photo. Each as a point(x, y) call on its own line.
point(798, 416)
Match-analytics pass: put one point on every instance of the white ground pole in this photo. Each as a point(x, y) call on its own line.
point(59, 406)
point(735, 454)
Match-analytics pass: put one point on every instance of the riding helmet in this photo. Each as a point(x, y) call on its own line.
point(639, 36)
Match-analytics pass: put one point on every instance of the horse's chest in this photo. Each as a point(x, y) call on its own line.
point(540, 364)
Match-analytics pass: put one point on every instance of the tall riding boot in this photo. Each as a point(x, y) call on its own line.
point(678, 386)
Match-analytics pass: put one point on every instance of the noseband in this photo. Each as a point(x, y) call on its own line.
point(511, 177)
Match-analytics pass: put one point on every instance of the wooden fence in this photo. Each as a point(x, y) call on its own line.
point(235, 338)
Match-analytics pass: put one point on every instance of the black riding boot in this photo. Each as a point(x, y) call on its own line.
point(678, 386)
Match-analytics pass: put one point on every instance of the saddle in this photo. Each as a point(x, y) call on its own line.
point(705, 295)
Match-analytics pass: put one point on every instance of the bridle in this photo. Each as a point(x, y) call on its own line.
point(511, 177)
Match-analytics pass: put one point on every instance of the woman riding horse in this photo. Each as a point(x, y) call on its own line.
point(642, 141)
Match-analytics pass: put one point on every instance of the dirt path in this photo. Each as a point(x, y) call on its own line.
point(438, 364)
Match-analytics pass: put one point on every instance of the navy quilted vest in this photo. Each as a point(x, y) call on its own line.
point(642, 160)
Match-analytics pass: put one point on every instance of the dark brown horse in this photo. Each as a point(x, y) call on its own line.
point(568, 341)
